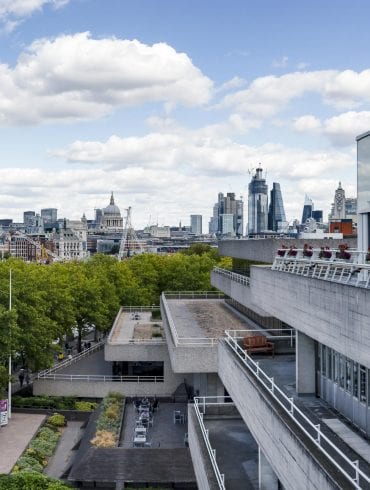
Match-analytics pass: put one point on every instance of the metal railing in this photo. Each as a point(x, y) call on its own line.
point(344, 272)
point(185, 341)
point(350, 469)
point(233, 276)
point(194, 294)
point(101, 377)
point(73, 359)
point(290, 334)
point(200, 404)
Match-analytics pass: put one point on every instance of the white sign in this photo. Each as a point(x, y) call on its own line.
point(3, 412)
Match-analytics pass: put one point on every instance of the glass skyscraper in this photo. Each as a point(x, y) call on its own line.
point(363, 190)
point(276, 213)
point(257, 204)
point(307, 210)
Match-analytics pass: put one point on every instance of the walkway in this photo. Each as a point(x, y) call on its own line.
point(63, 456)
point(15, 436)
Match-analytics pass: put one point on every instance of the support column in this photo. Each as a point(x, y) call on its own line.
point(267, 479)
point(305, 364)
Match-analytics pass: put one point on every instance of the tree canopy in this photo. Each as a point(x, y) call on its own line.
point(52, 301)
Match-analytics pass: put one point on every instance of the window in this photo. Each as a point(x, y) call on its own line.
point(355, 379)
point(341, 371)
point(323, 360)
point(329, 367)
point(335, 367)
point(362, 384)
point(348, 376)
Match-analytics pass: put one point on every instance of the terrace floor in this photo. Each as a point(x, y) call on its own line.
point(133, 325)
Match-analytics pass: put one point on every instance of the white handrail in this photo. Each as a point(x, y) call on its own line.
point(292, 410)
point(75, 358)
point(200, 401)
point(234, 276)
point(101, 377)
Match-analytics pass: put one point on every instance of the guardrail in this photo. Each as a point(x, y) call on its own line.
point(290, 334)
point(200, 404)
point(344, 272)
point(184, 341)
point(101, 377)
point(233, 276)
point(194, 294)
point(350, 469)
point(75, 358)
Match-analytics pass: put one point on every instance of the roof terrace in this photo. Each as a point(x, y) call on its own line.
point(136, 325)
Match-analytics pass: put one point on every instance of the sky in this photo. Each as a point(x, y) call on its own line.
point(169, 102)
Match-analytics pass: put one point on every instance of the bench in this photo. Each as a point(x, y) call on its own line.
point(258, 343)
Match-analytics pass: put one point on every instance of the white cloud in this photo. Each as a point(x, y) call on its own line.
point(343, 129)
point(233, 83)
point(306, 123)
point(12, 12)
point(266, 96)
point(280, 63)
point(302, 65)
point(76, 77)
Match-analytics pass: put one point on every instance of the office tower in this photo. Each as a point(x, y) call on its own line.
point(28, 217)
point(49, 215)
point(227, 205)
point(351, 209)
point(317, 216)
point(257, 203)
point(363, 191)
point(276, 213)
point(307, 209)
point(196, 224)
point(227, 224)
point(213, 222)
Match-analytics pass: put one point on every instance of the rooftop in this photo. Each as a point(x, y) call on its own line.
point(135, 326)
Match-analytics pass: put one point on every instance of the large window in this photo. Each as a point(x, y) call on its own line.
point(363, 173)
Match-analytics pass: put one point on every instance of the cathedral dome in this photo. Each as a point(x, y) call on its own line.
point(112, 209)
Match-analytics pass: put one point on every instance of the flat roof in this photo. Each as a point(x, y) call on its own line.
point(134, 325)
point(204, 318)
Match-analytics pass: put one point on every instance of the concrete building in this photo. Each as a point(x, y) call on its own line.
point(196, 224)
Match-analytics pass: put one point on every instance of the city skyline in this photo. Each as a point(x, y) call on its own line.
point(147, 100)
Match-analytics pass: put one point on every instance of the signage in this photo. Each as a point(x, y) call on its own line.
point(3, 412)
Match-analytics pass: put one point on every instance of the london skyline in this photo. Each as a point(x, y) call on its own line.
point(169, 104)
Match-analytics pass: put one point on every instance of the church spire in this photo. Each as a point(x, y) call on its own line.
point(111, 199)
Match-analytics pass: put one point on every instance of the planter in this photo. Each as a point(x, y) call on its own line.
point(343, 255)
point(367, 258)
point(281, 253)
point(307, 253)
point(325, 254)
point(292, 253)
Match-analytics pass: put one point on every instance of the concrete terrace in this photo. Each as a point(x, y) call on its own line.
point(134, 325)
point(204, 318)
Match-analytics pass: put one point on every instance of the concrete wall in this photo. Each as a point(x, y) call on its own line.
point(334, 314)
point(136, 352)
point(265, 250)
point(192, 358)
point(283, 448)
point(99, 389)
point(203, 469)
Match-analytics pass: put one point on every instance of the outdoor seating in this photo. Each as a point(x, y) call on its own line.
point(257, 343)
point(178, 417)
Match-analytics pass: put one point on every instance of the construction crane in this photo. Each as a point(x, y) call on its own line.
point(130, 244)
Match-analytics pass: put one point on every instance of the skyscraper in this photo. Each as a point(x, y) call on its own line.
point(276, 212)
point(227, 205)
point(307, 209)
point(257, 203)
point(196, 224)
point(49, 215)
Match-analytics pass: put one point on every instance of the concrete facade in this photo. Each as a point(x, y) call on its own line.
point(334, 314)
point(265, 250)
point(295, 462)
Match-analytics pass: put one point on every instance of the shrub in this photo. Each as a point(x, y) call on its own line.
point(57, 420)
point(35, 454)
point(104, 438)
point(23, 480)
point(85, 406)
point(28, 464)
point(114, 395)
point(48, 434)
point(42, 446)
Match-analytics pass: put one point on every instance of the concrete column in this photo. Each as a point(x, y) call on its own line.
point(267, 479)
point(305, 364)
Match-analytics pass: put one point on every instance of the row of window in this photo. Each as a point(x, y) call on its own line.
point(353, 377)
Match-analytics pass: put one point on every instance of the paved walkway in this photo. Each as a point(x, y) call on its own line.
point(63, 455)
point(15, 436)
point(354, 441)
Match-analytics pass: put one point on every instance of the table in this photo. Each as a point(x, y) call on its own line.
point(139, 440)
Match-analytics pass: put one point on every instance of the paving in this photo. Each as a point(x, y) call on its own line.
point(63, 456)
point(125, 325)
point(15, 436)
point(236, 452)
point(354, 441)
point(91, 364)
point(163, 434)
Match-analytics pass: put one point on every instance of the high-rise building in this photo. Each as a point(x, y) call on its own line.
point(363, 191)
point(27, 217)
point(257, 204)
point(49, 215)
point(196, 224)
point(227, 224)
point(307, 209)
point(351, 209)
point(317, 216)
point(339, 210)
point(227, 205)
point(276, 212)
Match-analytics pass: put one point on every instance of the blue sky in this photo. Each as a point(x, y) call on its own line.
point(168, 103)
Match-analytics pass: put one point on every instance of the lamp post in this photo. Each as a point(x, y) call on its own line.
point(10, 350)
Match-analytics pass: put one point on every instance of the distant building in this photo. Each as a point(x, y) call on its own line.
point(276, 212)
point(227, 205)
point(363, 190)
point(317, 216)
point(227, 224)
point(351, 209)
point(28, 217)
point(307, 209)
point(111, 216)
point(196, 224)
point(49, 215)
point(339, 210)
point(257, 204)
point(158, 231)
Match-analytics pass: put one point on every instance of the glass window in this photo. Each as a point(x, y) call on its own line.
point(329, 367)
point(363, 173)
point(335, 367)
point(362, 384)
point(348, 376)
point(323, 359)
point(341, 371)
point(355, 379)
